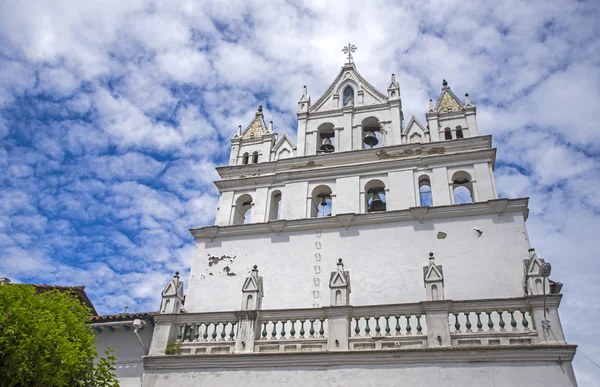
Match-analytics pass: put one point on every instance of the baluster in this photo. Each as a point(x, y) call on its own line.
point(196, 332)
point(367, 328)
point(214, 334)
point(419, 327)
point(377, 327)
point(490, 322)
point(513, 322)
point(398, 328)
point(357, 328)
point(180, 332)
point(205, 335)
point(456, 323)
point(283, 322)
point(501, 322)
point(468, 323)
point(232, 333)
point(408, 328)
point(187, 333)
point(387, 325)
point(322, 330)
point(479, 324)
point(302, 328)
point(293, 330)
point(274, 331)
point(312, 328)
point(223, 334)
point(264, 331)
point(525, 322)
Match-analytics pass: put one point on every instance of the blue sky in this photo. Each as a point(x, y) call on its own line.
point(113, 115)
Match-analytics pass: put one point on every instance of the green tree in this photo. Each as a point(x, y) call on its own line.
point(45, 341)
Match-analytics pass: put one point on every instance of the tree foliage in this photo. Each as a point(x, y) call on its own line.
point(44, 341)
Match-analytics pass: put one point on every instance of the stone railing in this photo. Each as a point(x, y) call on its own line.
point(427, 324)
point(492, 322)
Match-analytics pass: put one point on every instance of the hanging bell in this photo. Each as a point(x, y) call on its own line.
point(376, 204)
point(324, 201)
point(327, 146)
point(370, 139)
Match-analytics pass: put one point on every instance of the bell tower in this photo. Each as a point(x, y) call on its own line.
point(376, 196)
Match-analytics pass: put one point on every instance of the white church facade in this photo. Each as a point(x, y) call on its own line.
point(374, 251)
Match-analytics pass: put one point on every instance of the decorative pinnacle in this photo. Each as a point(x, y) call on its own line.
point(176, 274)
point(340, 265)
point(431, 258)
point(255, 268)
point(444, 83)
point(348, 50)
point(260, 108)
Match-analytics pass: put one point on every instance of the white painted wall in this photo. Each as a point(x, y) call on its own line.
point(127, 350)
point(385, 263)
point(441, 374)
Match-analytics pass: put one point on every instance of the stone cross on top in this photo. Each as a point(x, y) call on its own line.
point(348, 50)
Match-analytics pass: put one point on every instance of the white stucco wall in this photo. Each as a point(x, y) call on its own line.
point(127, 350)
point(385, 263)
point(456, 374)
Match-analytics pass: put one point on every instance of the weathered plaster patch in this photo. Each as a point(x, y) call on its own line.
point(441, 235)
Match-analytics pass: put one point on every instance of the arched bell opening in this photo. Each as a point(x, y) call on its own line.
point(254, 157)
point(326, 138)
point(242, 209)
point(425, 194)
point(459, 132)
point(375, 196)
point(371, 133)
point(322, 202)
point(462, 188)
point(348, 96)
point(275, 207)
point(245, 158)
point(447, 134)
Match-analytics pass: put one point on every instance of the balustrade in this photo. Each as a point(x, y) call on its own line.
point(377, 327)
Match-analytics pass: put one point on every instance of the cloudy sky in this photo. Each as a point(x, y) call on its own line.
point(113, 115)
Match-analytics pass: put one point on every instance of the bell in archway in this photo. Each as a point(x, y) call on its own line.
point(370, 139)
point(376, 204)
point(327, 146)
point(323, 201)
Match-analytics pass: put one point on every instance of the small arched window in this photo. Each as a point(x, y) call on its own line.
point(447, 134)
point(348, 96)
point(425, 196)
point(322, 203)
point(459, 132)
point(462, 188)
point(254, 157)
point(275, 207)
point(245, 158)
point(243, 209)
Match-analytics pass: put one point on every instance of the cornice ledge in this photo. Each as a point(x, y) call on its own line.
point(341, 220)
point(374, 358)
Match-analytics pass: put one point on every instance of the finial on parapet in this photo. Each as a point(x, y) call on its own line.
point(433, 277)
point(252, 291)
point(467, 100)
point(339, 283)
point(444, 83)
point(172, 297)
point(260, 109)
point(430, 104)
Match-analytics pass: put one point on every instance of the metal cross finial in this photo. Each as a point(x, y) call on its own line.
point(126, 307)
point(348, 50)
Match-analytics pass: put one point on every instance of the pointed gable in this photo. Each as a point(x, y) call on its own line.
point(253, 284)
point(448, 101)
point(284, 148)
point(364, 92)
point(257, 127)
point(415, 131)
